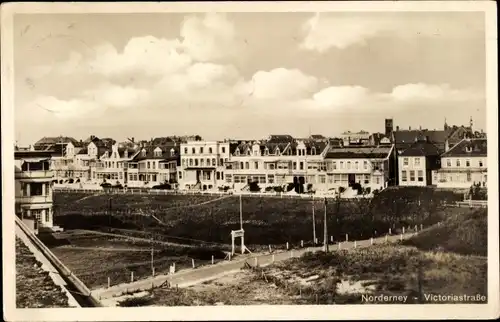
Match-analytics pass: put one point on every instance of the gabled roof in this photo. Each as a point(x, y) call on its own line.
point(359, 152)
point(150, 154)
point(421, 148)
point(280, 138)
point(468, 147)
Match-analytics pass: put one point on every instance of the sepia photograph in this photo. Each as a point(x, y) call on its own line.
point(218, 161)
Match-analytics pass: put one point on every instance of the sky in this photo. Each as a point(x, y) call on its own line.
point(245, 75)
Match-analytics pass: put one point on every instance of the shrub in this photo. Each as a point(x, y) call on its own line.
point(135, 301)
point(253, 187)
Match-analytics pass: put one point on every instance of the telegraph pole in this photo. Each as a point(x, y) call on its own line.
point(241, 214)
point(152, 255)
point(314, 224)
point(325, 232)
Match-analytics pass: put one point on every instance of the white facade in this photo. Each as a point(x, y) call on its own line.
point(461, 172)
point(202, 165)
point(33, 188)
point(151, 170)
point(370, 173)
point(412, 171)
point(111, 167)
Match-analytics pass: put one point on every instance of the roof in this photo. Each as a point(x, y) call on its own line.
point(21, 155)
point(468, 147)
point(280, 138)
point(359, 152)
point(421, 148)
point(150, 155)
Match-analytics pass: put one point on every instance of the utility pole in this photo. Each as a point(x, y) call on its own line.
point(325, 232)
point(109, 212)
point(314, 224)
point(241, 214)
point(152, 256)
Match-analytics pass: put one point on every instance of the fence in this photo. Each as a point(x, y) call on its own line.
point(133, 191)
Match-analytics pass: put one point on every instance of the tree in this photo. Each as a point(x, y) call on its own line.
point(253, 186)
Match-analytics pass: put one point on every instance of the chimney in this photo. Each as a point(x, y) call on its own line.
point(446, 145)
point(420, 127)
point(397, 128)
point(409, 128)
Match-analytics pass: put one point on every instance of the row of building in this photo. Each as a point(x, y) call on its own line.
point(454, 157)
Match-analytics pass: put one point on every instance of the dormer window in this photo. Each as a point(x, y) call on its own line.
point(172, 152)
point(313, 151)
point(201, 150)
point(277, 151)
point(157, 153)
point(237, 152)
point(266, 151)
point(468, 149)
point(193, 150)
point(185, 150)
point(210, 150)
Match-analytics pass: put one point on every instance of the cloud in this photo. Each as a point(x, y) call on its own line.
point(281, 83)
point(431, 92)
point(341, 96)
point(61, 109)
point(113, 96)
point(325, 31)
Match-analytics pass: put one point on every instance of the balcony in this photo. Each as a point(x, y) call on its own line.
point(35, 174)
point(34, 199)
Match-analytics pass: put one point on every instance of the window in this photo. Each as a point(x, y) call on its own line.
point(313, 151)
point(365, 165)
point(214, 162)
point(377, 180)
point(154, 165)
point(201, 150)
point(229, 178)
point(120, 175)
point(356, 165)
point(242, 165)
point(469, 177)
point(420, 176)
point(416, 161)
point(247, 165)
point(294, 165)
point(271, 166)
point(266, 151)
point(367, 178)
point(185, 150)
point(218, 175)
point(458, 162)
point(191, 162)
point(183, 162)
point(322, 178)
point(208, 162)
point(193, 150)
point(202, 162)
point(448, 162)
point(480, 163)
point(180, 175)
point(342, 164)
point(412, 175)
point(223, 149)
point(403, 176)
point(270, 178)
point(348, 165)
point(467, 163)
point(149, 165)
point(256, 164)
point(237, 152)
point(277, 151)
point(405, 162)
point(301, 165)
point(210, 150)
point(221, 162)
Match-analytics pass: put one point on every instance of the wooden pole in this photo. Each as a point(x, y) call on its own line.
point(325, 231)
point(314, 224)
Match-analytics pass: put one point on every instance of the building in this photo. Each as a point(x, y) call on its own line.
point(202, 165)
point(111, 165)
point(277, 161)
point(463, 165)
point(416, 163)
point(33, 189)
point(153, 165)
point(355, 138)
point(369, 166)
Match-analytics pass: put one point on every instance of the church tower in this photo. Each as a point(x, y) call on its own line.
point(389, 126)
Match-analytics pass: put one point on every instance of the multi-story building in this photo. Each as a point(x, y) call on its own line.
point(202, 164)
point(33, 188)
point(112, 165)
point(416, 163)
point(355, 138)
point(153, 165)
point(463, 165)
point(277, 161)
point(370, 166)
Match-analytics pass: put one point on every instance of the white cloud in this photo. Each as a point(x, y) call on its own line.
point(61, 109)
point(281, 83)
point(340, 96)
point(431, 92)
point(341, 30)
point(113, 96)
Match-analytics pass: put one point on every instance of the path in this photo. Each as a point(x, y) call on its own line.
point(189, 277)
point(148, 240)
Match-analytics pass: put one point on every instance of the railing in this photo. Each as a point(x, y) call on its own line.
point(34, 199)
point(473, 203)
point(34, 174)
point(65, 272)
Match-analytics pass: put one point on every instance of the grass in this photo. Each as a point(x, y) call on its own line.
point(94, 258)
point(34, 287)
point(465, 234)
point(266, 220)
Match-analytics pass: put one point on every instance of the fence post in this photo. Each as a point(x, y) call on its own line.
point(346, 237)
point(109, 282)
point(286, 245)
point(192, 262)
point(212, 259)
point(270, 250)
point(273, 258)
point(354, 244)
point(301, 243)
point(421, 226)
point(291, 253)
point(132, 277)
point(386, 238)
point(390, 231)
point(340, 245)
point(331, 239)
point(371, 241)
point(403, 229)
point(256, 260)
point(401, 237)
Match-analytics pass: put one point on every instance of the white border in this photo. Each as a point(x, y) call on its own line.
point(425, 311)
